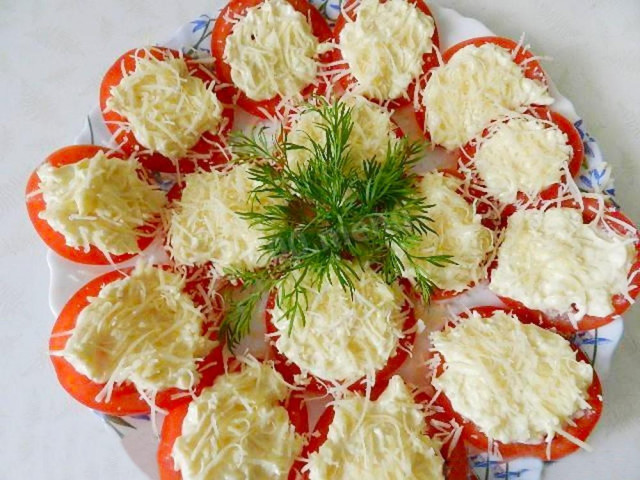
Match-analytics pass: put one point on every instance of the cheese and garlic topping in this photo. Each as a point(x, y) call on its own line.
point(516, 382)
point(371, 135)
point(524, 154)
point(272, 51)
point(205, 225)
point(552, 261)
point(99, 201)
point(165, 107)
point(143, 329)
point(380, 439)
point(343, 338)
point(384, 46)
point(238, 430)
point(476, 86)
point(459, 232)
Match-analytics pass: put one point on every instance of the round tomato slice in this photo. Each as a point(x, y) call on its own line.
point(560, 446)
point(172, 429)
point(224, 27)
point(54, 239)
point(349, 13)
point(621, 224)
point(523, 57)
point(468, 152)
point(125, 399)
point(289, 370)
point(208, 150)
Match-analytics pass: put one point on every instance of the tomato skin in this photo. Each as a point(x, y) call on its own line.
point(154, 160)
point(125, 399)
point(223, 28)
point(560, 446)
point(172, 429)
point(429, 60)
point(55, 240)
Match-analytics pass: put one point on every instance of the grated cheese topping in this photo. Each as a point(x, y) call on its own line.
point(476, 86)
point(552, 261)
point(272, 51)
point(372, 133)
point(384, 46)
point(205, 225)
point(381, 439)
point(99, 201)
point(524, 154)
point(237, 429)
point(143, 329)
point(364, 330)
point(516, 382)
point(166, 108)
point(459, 232)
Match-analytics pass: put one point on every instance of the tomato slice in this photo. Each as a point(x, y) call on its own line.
point(616, 220)
point(456, 462)
point(172, 429)
point(531, 67)
point(210, 144)
point(125, 399)
point(224, 27)
point(349, 13)
point(468, 151)
point(54, 239)
point(289, 370)
point(560, 446)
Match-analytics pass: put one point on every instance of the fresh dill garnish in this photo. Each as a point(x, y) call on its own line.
point(328, 215)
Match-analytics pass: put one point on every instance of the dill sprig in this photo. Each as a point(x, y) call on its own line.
point(329, 215)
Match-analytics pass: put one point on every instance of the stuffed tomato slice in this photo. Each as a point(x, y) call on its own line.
point(256, 416)
point(169, 108)
point(271, 50)
point(132, 341)
point(583, 273)
point(517, 388)
point(94, 206)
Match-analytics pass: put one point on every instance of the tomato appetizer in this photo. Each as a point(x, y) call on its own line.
point(384, 273)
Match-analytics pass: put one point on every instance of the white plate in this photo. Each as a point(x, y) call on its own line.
point(193, 38)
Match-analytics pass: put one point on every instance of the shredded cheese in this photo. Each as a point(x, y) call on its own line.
point(238, 430)
point(380, 439)
point(344, 338)
point(371, 135)
point(516, 382)
point(272, 51)
point(165, 107)
point(99, 201)
point(552, 261)
point(143, 329)
point(459, 232)
point(384, 46)
point(524, 154)
point(476, 86)
point(205, 225)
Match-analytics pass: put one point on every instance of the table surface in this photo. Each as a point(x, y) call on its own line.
point(54, 56)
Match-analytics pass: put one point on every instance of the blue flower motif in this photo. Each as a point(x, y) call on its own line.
point(200, 23)
point(585, 338)
point(586, 181)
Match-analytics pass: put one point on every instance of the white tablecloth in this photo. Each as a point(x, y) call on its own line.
point(53, 57)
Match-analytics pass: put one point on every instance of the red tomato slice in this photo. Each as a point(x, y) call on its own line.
point(289, 370)
point(620, 303)
point(429, 60)
point(560, 446)
point(532, 68)
point(573, 140)
point(456, 462)
point(223, 28)
point(125, 399)
point(55, 240)
point(172, 429)
point(209, 144)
